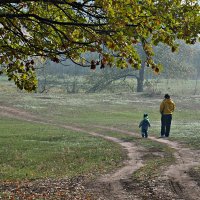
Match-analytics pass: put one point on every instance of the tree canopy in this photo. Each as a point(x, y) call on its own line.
point(65, 29)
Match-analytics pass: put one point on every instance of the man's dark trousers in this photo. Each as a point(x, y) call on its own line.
point(166, 125)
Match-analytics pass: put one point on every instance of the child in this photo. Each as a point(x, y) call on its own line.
point(144, 125)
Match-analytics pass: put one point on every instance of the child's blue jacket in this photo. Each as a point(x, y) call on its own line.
point(145, 124)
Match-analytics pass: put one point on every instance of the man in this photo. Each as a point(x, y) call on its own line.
point(166, 109)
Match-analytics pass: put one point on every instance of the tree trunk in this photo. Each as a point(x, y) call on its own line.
point(195, 89)
point(140, 79)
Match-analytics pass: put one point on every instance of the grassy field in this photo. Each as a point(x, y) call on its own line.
point(33, 150)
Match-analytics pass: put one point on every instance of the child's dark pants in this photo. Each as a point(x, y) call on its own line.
point(144, 133)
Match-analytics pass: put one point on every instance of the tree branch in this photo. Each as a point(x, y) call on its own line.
point(41, 19)
point(4, 2)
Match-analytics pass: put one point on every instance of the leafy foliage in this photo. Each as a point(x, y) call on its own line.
point(61, 30)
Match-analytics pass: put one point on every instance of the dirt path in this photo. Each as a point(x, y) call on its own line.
point(181, 183)
point(177, 175)
point(109, 186)
point(177, 182)
point(109, 183)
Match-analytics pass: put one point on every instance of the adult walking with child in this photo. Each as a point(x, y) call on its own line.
point(167, 107)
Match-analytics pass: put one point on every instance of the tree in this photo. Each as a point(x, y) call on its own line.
point(194, 56)
point(65, 29)
point(103, 79)
point(179, 64)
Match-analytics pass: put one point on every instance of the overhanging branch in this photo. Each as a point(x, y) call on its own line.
point(4, 2)
point(41, 19)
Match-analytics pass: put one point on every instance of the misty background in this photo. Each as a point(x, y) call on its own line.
point(178, 68)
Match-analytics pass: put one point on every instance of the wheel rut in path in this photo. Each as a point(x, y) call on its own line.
point(180, 181)
point(177, 174)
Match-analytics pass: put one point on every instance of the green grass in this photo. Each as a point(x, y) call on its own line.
point(156, 156)
point(38, 151)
